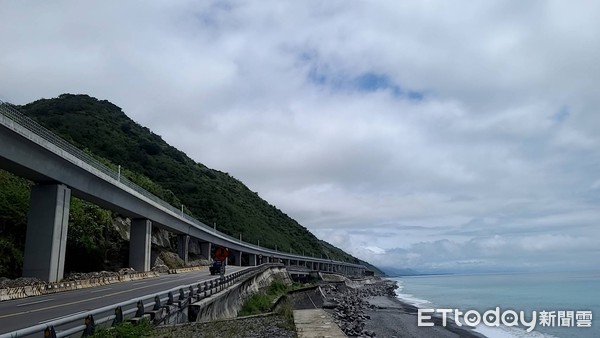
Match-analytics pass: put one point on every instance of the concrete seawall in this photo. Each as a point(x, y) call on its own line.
point(228, 302)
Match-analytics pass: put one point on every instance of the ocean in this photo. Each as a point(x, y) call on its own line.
point(568, 292)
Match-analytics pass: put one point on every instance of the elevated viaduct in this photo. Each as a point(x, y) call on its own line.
point(60, 170)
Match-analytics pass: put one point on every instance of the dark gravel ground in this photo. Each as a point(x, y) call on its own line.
point(271, 326)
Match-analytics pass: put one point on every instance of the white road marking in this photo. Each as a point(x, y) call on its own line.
point(36, 302)
point(100, 290)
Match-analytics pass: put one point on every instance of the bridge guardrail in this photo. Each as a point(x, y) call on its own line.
point(180, 296)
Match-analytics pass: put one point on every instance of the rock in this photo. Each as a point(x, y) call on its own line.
point(369, 333)
point(126, 271)
point(160, 268)
point(161, 238)
point(351, 302)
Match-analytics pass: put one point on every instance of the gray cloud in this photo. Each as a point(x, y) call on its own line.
point(430, 135)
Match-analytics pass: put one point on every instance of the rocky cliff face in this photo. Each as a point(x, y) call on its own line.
point(160, 238)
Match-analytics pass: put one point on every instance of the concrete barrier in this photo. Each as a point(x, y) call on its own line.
point(50, 288)
point(190, 269)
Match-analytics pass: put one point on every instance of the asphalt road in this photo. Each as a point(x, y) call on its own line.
point(26, 312)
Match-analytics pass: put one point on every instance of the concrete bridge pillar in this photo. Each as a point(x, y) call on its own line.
point(206, 249)
point(46, 239)
point(139, 244)
point(183, 246)
point(252, 260)
point(238, 258)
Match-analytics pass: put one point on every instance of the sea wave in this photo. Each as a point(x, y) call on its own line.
point(412, 300)
point(489, 332)
point(509, 332)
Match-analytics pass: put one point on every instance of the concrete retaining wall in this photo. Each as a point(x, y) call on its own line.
point(228, 302)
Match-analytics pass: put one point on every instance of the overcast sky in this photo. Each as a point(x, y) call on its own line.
point(432, 135)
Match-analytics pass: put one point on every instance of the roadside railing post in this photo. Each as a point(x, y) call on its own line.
point(118, 316)
point(156, 303)
point(140, 309)
point(90, 326)
point(49, 332)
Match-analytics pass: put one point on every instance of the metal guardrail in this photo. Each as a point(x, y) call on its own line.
point(79, 157)
point(180, 296)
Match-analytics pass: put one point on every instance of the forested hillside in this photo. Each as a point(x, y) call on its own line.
point(211, 196)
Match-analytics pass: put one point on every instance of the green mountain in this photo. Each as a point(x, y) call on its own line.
point(211, 196)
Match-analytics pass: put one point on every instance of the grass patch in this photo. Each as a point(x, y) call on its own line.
point(143, 328)
point(287, 312)
point(261, 302)
point(258, 303)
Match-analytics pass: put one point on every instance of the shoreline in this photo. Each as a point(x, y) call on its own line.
point(372, 309)
point(391, 317)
